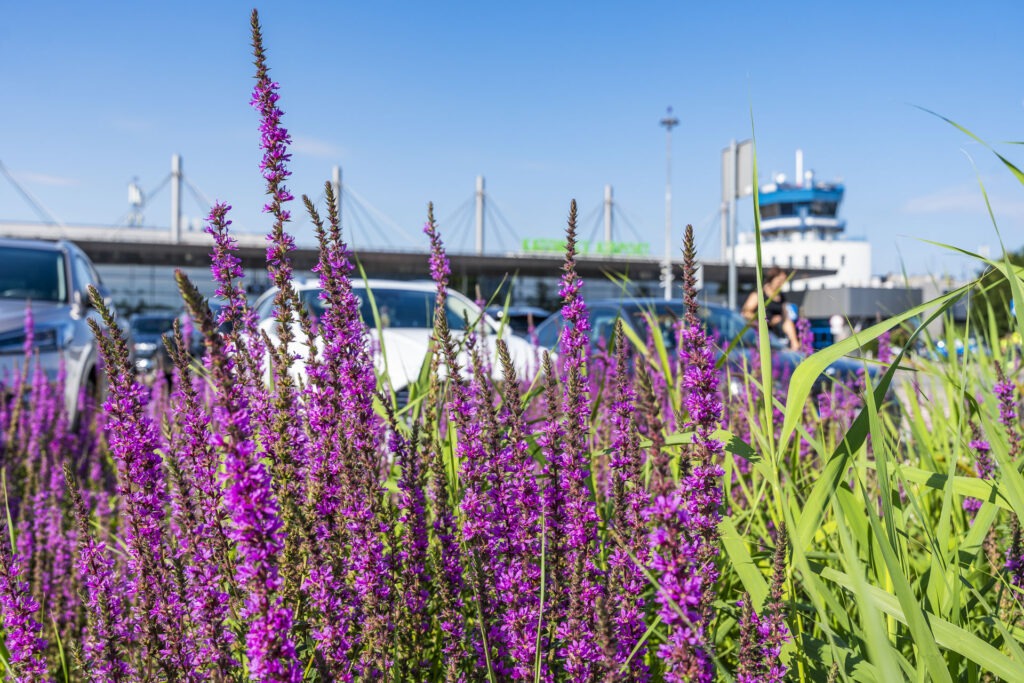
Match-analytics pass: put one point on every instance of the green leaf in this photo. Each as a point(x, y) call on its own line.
point(812, 367)
point(732, 443)
point(947, 635)
point(741, 561)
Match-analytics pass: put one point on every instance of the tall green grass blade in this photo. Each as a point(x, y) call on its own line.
point(61, 657)
point(763, 344)
point(808, 372)
point(947, 635)
point(882, 654)
point(834, 469)
point(1017, 173)
point(914, 617)
point(971, 487)
point(640, 643)
point(742, 563)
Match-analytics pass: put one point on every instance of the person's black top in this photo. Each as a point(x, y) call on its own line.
point(774, 307)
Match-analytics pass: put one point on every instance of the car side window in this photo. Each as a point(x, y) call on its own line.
point(548, 331)
point(83, 274)
point(602, 326)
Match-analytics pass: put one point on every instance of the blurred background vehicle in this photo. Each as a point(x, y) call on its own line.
point(53, 278)
point(728, 330)
point(147, 331)
point(401, 328)
point(518, 318)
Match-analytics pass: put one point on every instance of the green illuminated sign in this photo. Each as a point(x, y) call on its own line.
point(586, 247)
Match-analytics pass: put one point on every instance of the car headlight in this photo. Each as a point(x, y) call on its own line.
point(44, 338)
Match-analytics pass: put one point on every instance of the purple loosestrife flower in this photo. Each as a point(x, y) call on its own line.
point(518, 501)
point(26, 648)
point(684, 539)
point(256, 527)
point(447, 556)
point(31, 509)
point(984, 467)
point(499, 530)
point(198, 508)
point(61, 598)
point(1006, 390)
point(1014, 566)
point(244, 341)
point(704, 405)
point(579, 646)
point(762, 636)
point(885, 348)
point(280, 421)
point(650, 425)
point(412, 558)
point(825, 410)
point(549, 439)
point(134, 444)
point(344, 464)
point(109, 634)
point(626, 580)
point(343, 442)
point(805, 335)
point(465, 412)
point(680, 588)
point(274, 141)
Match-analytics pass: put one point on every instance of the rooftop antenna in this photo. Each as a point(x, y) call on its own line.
point(799, 167)
point(669, 122)
point(137, 201)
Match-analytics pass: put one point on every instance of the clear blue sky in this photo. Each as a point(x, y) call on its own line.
point(549, 101)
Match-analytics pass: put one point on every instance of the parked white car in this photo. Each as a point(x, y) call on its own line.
point(405, 311)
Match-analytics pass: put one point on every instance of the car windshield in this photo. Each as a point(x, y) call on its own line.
point(36, 274)
point(405, 308)
point(722, 324)
point(152, 325)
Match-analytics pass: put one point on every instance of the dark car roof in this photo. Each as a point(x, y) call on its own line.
point(519, 310)
point(41, 245)
point(653, 302)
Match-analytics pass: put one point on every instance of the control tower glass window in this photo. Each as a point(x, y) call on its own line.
point(820, 208)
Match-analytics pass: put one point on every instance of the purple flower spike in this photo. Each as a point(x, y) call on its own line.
point(684, 536)
point(134, 445)
point(1006, 390)
point(627, 581)
point(253, 509)
point(1014, 566)
point(885, 348)
point(805, 335)
point(984, 466)
point(762, 636)
point(21, 628)
point(580, 648)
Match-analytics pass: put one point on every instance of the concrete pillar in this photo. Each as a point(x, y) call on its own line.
point(176, 198)
point(336, 186)
point(608, 215)
point(479, 215)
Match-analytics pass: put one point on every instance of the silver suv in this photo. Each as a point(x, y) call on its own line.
point(54, 278)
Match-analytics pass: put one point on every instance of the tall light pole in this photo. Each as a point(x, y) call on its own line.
point(669, 122)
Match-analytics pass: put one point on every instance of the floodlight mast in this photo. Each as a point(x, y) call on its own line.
point(669, 122)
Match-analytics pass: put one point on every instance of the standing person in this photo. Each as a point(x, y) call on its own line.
point(779, 320)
